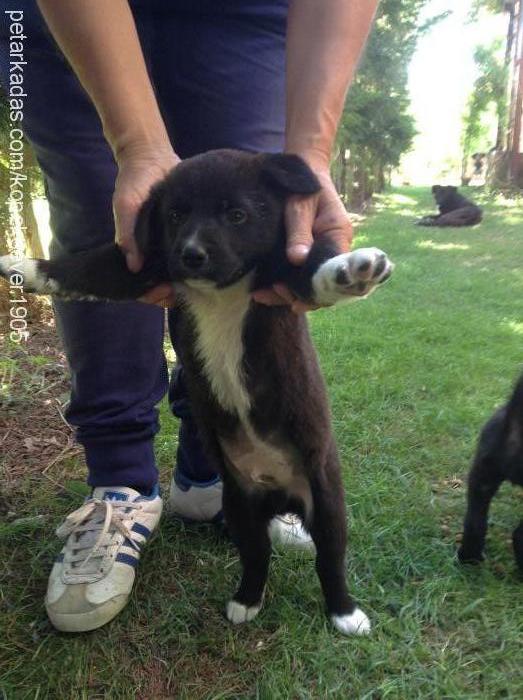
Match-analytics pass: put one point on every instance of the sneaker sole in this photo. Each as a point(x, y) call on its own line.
point(91, 620)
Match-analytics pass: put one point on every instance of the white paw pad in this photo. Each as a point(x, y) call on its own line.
point(238, 613)
point(355, 623)
point(351, 275)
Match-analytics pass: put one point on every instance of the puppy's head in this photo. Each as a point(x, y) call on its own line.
point(217, 215)
point(443, 192)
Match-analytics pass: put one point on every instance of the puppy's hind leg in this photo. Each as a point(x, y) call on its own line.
point(249, 531)
point(329, 532)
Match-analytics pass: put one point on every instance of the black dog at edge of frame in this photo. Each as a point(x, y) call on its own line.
point(215, 229)
point(499, 457)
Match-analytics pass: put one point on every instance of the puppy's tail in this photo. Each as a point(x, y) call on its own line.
point(98, 274)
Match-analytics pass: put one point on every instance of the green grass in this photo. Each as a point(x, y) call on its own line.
point(413, 372)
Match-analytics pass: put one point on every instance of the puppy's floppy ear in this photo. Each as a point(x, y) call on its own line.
point(149, 226)
point(289, 174)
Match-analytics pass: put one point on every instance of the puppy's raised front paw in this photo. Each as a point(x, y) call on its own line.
point(238, 613)
point(355, 623)
point(351, 275)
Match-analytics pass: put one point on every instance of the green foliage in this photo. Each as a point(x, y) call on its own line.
point(376, 125)
point(489, 93)
point(494, 7)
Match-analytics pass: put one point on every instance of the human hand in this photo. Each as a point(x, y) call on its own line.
point(139, 168)
point(307, 218)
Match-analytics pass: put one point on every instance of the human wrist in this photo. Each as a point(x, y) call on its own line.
point(143, 146)
point(316, 156)
point(134, 142)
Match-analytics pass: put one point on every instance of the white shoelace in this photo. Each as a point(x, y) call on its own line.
point(92, 527)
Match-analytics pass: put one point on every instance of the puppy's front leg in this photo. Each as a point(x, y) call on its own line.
point(327, 278)
point(249, 532)
point(484, 481)
point(100, 273)
point(329, 532)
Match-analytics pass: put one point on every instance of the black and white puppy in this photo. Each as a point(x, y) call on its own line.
point(215, 229)
point(499, 457)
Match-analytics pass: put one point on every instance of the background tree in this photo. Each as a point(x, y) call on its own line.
point(489, 96)
point(492, 93)
point(376, 127)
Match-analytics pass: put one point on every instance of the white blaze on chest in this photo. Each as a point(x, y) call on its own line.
point(219, 315)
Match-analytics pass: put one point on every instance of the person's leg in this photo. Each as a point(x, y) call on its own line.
point(114, 350)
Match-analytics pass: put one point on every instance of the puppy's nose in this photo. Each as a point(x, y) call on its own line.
point(194, 256)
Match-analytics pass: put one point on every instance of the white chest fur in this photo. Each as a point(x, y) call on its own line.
point(219, 316)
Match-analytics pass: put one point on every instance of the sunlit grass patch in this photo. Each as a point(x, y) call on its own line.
point(514, 326)
point(442, 246)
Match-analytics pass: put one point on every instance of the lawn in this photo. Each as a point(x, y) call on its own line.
point(413, 372)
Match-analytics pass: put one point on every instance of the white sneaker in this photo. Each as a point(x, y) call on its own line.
point(202, 502)
point(288, 531)
point(194, 500)
point(92, 578)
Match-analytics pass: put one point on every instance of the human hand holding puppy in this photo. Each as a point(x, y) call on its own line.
point(324, 42)
point(140, 167)
point(322, 214)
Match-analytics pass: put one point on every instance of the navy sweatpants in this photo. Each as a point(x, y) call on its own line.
point(218, 70)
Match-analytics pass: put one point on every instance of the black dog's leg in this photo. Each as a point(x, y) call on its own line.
point(465, 216)
point(327, 277)
point(100, 273)
point(248, 530)
point(517, 541)
point(430, 220)
point(329, 532)
point(484, 481)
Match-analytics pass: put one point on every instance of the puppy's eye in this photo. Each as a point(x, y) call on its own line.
point(236, 216)
point(175, 216)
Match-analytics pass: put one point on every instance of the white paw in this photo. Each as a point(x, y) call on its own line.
point(8, 263)
point(33, 280)
point(350, 275)
point(355, 623)
point(237, 612)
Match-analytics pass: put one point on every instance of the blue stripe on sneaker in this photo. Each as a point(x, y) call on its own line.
point(115, 496)
point(141, 530)
point(127, 559)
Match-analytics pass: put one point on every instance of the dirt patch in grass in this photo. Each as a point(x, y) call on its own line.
point(34, 390)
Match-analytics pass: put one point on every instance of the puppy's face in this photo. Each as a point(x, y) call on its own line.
point(217, 215)
point(442, 192)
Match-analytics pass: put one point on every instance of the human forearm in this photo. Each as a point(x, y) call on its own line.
point(325, 39)
point(100, 41)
